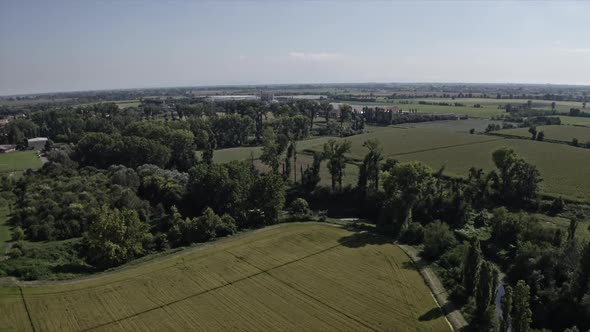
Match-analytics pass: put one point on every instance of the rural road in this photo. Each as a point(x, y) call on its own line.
point(454, 316)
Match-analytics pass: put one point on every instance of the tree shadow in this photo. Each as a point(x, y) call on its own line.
point(409, 265)
point(361, 239)
point(73, 268)
point(431, 314)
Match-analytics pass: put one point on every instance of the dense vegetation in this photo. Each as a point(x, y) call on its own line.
point(123, 183)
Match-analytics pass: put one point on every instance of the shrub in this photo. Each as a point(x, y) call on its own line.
point(227, 226)
point(414, 234)
point(14, 252)
point(557, 206)
point(299, 207)
point(438, 238)
point(18, 234)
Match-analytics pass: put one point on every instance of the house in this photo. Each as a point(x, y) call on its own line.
point(5, 148)
point(37, 143)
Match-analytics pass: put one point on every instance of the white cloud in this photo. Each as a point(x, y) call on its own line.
point(322, 56)
point(575, 50)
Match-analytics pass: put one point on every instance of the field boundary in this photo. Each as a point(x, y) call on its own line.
point(453, 315)
point(311, 151)
point(22, 296)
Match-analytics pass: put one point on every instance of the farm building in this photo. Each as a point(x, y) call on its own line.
point(37, 143)
point(7, 148)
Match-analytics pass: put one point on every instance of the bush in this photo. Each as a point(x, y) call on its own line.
point(414, 234)
point(18, 234)
point(299, 207)
point(557, 206)
point(438, 238)
point(227, 226)
point(14, 252)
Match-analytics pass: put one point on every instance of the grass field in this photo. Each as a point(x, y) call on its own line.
point(559, 133)
point(461, 126)
point(245, 153)
point(489, 106)
point(574, 120)
point(582, 232)
point(294, 277)
point(399, 141)
point(18, 161)
point(562, 167)
point(128, 103)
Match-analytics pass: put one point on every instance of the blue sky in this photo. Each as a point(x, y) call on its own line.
point(83, 45)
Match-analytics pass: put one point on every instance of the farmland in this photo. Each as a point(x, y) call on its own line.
point(558, 133)
point(458, 152)
point(292, 277)
point(18, 161)
point(398, 141)
point(561, 166)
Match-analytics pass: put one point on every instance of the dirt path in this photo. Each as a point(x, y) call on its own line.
point(454, 316)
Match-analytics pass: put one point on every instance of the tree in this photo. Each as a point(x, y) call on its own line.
point(518, 180)
point(334, 153)
point(270, 150)
point(574, 142)
point(299, 207)
point(438, 238)
point(311, 176)
point(521, 313)
point(345, 114)
point(114, 237)
point(210, 147)
point(326, 109)
point(485, 295)
point(533, 132)
point(582, 281)
point(404, 185)
point(48, 145)
point(506, 309)
point(471, 265)
point(268, 196)
point(553, 106)
point(369, 170)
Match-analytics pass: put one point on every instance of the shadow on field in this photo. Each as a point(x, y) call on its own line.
point(73, 268)
point(361, 239)
point(431, 314)
point(409, 265)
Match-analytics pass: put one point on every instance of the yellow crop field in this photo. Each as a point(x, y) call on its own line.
point(293, 277)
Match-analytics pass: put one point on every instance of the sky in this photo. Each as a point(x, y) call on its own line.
point(51, 46)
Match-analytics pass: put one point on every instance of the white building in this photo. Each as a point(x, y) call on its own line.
point(37, 143)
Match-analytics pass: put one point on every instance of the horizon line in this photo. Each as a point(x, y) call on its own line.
point(243, 85)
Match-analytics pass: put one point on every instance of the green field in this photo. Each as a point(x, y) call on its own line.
point(574, 120)
point(399, 141)
point(128, 103)
point(294, 277)
point(562, 167)
point(245, 153)
point(461, 126)
point(489, 107)
point(18, 161)
point(558, 133)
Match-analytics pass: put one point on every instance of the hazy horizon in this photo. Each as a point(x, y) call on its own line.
point(105, 45)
